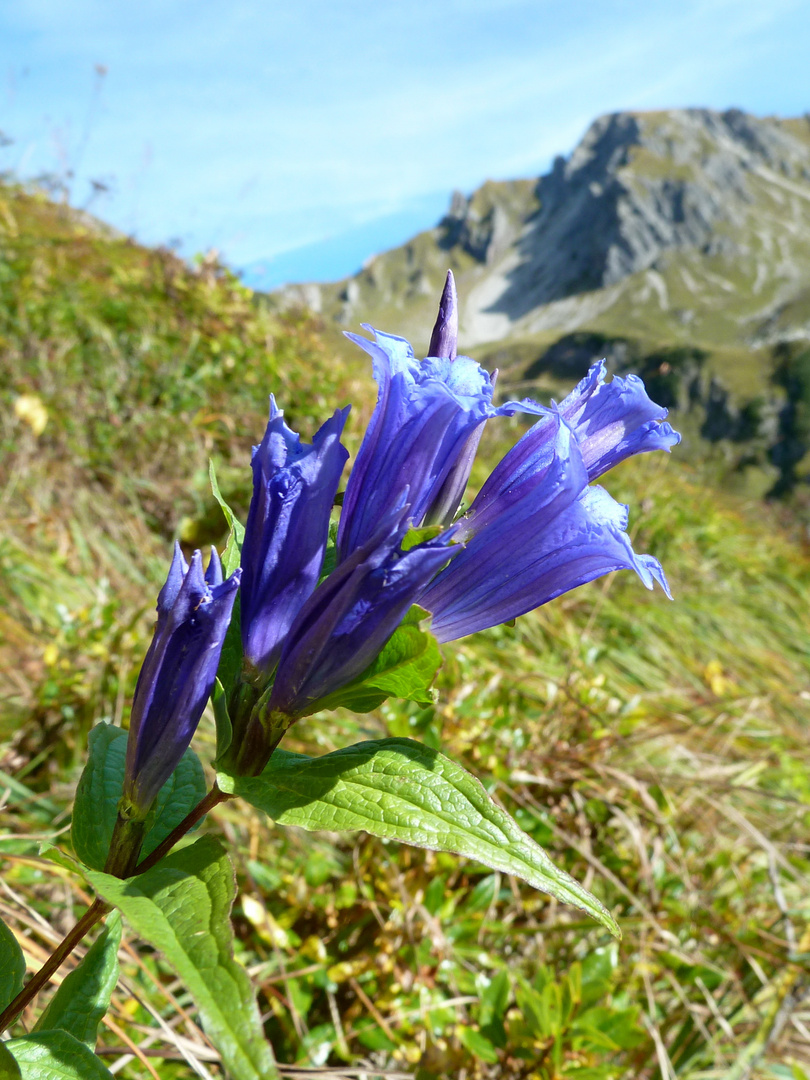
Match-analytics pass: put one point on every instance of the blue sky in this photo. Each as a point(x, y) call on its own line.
point(305, 138)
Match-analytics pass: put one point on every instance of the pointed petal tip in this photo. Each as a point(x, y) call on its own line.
point(213, 572)
point(195, 579)
point(174, 580)
point(232, 583)
point(340, 416)
point(444, 339)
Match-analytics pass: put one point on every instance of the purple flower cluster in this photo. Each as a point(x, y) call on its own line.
point(537, 528)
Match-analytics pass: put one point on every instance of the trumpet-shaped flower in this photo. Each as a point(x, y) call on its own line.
point(294, 486)
point(175, 682)
point(443, 342)
point(350, 616)
point(423, 433)
point(614, 420)
point(536, 530)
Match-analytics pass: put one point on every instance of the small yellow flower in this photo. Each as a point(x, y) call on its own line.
point(30, 409)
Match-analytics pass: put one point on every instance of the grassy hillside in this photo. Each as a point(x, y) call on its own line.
point(658, 750)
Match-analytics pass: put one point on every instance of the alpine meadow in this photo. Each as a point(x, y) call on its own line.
point(626, 892)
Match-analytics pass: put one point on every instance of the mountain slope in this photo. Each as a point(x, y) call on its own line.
point(692, 223)
point(657, 750)
point(676, 244)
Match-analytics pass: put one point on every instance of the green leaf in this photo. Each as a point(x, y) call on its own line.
point(18, 792)
point(12, 966)
point(61, 858)
point(182, 908)
point(96, 808)
point(230, 661)
point(84, 996)
point(9, 1069)
point(330, 552)
point(178, 796)
point(413, 537)
point(56, 1055)
point(477, 1044)
point(400, 790)
point(542, 1010)
point(219, 700)
point(495, 999)
point(405, 668)
point(233, 549)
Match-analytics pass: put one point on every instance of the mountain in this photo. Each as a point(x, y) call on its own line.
point(681, 236)
point(665, 210)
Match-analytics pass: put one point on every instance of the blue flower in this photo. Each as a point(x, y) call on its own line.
point(175, 682)
point(536, 530)
point(612, 421)
point(443, 342)
point(423, 433)
point(294, 487)
point(351, 615)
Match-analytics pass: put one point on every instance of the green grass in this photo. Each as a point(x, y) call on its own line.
point(658, 750)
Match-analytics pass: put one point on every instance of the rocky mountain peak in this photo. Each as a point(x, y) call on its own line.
point(636, 186)
point(693, 221)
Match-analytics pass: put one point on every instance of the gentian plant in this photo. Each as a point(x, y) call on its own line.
point(342, 604)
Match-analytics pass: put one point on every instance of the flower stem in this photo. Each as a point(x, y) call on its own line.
point(125, 846)
point(212, 799)
point(122, 856)
point(97, 910)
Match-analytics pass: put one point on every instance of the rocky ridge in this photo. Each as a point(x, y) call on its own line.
point(686, 224)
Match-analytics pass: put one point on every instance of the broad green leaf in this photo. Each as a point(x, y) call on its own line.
point(595, 1036)
point(9, 1069)
point(230, 661)
point(96, 808)
point(621, 1026)
point(84, 996)
point(405, 668)
point(540, 1009)
point(182, 908)
point(478, 1044)
point(400, 790)
point(12, 966)
point(56, 1055)
point(179, 795)
point(61, 858)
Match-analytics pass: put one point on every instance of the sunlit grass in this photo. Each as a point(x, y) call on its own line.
point(658, 750)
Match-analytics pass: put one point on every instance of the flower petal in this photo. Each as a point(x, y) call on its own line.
point(426, 413)
point(294, 487)
point(350, 616)
point(615, 420)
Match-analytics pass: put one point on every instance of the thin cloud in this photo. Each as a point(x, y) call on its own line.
point(272, 128)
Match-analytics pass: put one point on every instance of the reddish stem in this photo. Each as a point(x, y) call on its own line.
point(98, 909)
